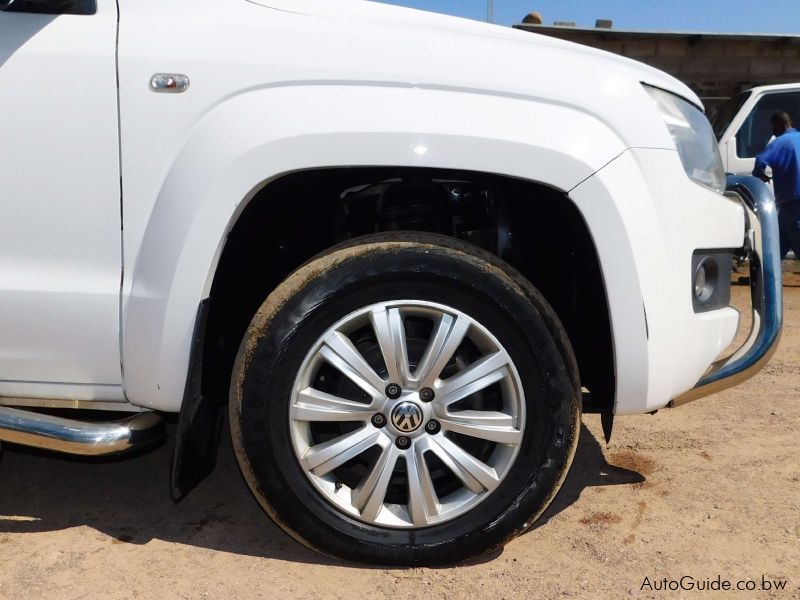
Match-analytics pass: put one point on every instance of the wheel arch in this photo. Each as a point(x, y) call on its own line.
point(234, 152)
point(264, 245)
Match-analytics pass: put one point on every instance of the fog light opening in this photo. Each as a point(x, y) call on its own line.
point(705, 279)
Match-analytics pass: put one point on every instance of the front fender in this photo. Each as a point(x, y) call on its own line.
point(253, 138)
point(647, 218)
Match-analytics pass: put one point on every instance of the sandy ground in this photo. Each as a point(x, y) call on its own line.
point(711, 489)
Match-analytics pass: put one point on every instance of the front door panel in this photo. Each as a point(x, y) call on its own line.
point(60, 255)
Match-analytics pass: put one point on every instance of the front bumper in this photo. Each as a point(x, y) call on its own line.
point(765, 290)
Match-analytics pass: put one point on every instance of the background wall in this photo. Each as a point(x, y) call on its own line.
point(715, 66)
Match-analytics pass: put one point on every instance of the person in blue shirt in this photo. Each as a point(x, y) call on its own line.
point(783, 156)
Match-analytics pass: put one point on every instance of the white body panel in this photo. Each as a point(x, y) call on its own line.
point(275, 91)
point(645, 235)
point(203, 194)
point(60, 196)
point(280, 86)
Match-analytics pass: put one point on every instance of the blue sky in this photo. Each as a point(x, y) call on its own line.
point(740, 16)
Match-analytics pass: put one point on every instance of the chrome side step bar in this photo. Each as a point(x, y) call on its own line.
point(79, 437)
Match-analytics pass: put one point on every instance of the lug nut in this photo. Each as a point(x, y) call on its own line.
point(426, 395)
point(402, 442)
point(378, 420)
point(433, 426)
point(393, 391)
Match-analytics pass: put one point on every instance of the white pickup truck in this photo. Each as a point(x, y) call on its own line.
point(742, 124)
point(402, 251)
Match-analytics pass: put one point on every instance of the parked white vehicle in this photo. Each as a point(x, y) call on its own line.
point(405, 249)
point(742, 124)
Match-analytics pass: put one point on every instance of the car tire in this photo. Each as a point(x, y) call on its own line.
point(463, 455)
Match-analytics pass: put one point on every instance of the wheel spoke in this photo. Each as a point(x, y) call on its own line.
point(474, 474)
point(423, 503)
point(340, 352)
point(327, 456)
point(486, 425)
point(368, 497)
point(446, 339)
point(314, 405)
point(477, 376)
point(391, 335)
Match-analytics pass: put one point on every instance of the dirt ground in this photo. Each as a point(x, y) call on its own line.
point(710, 489)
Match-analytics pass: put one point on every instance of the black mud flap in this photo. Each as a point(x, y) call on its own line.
point(607, 420)
point(601, 403)
point(199, 424)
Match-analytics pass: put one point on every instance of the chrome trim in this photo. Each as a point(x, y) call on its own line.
point(69, 436)
point(765, 290)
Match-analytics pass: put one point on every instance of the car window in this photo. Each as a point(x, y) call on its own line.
point(726, 111)
point(756, 130)
point(50, 7)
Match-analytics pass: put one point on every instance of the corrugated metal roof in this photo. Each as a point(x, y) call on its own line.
point(792, 38)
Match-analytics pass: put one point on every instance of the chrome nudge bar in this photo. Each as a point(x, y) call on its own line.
point(765, 290)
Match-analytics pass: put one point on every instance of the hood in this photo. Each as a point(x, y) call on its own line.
point(474, 38)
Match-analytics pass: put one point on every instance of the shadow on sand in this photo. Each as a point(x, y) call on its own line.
point(127, 499)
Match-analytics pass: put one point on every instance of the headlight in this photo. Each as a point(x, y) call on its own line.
point(693, 137)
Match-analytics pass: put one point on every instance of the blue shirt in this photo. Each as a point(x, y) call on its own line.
point(783, 155)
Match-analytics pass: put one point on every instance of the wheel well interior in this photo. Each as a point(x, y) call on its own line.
point(535, 228)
